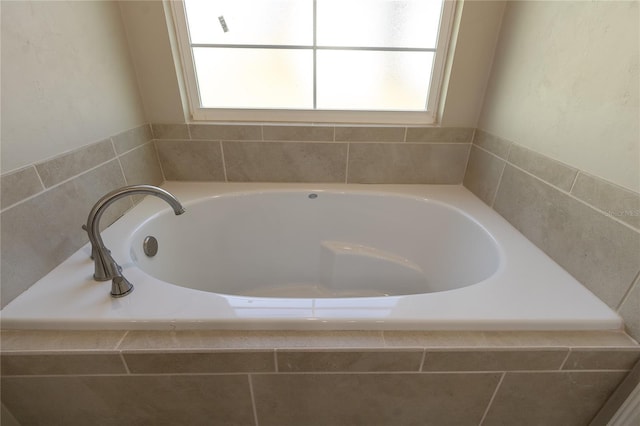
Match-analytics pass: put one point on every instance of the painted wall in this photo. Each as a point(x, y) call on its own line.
point(67, 78)
point(565, 84)
point(470, 61)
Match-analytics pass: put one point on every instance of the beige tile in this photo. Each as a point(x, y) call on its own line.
point(40, 233)
point(483, 174)
point(129, 400)
point(370, 134)
point(612, 199)
point(602, 359)
point(494, 360)
point(141, 166)
point(440, 134)
point(221, 339)
point(506, 339)
point(73, 163)
point(170, 131)
point(132, 138)
point(629, 311)
point(191, 160)
point(43, 364)
point(230, 132)
point(18, 185)
point(285, 161)
point(59, 340)
point(492, 143)
point(407, 163)
point(550, 398)
point(545, 168)
point(349, 360)
point(200, 362)
point(601, 253)
point(298, 133)
point(372, 399)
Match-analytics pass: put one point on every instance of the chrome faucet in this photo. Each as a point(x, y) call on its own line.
point(106, 267)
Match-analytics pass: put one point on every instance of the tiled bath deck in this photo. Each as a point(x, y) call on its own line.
point(311, 378)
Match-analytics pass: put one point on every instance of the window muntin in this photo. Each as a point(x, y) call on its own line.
point(313, 56)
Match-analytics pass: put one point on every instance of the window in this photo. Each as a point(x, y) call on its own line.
point(313, 60)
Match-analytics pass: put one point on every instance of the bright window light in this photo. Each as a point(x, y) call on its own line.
point(313, 55)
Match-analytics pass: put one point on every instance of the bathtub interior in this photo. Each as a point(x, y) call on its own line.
point(290, 244)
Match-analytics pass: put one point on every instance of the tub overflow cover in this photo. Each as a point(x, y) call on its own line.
point(150, 246)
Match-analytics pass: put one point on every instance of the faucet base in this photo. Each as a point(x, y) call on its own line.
point(120, 286)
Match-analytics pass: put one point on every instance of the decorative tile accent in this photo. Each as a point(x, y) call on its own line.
point(612, 199)
point(73, 163)
point(18, 185)
point(601, 253)
point(545, 168)
point(298, 133)
point(483, 174)
point(494, 360)
point(63, 340)
point(132, 138)
point(440, 134)
point(407, 163)
point(602, 359)
point(61, 364)
point(191, 160)
point(200, 362)
point(221, 339)
point(229, 132)
point(551, 399)
point(349, 360)
point(285, 161)
point(370, 134)
point(372, 399)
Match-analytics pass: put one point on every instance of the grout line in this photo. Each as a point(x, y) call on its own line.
point(575, 179)
point(44, 187)
point(224, 162)
point(424, 357)
point(275, 360)
point(334, 133)
point(628, 292)
point(124, 176)
point(346, 170)
point(155, 148)
point(406, 130)
point(495, 392)
point(121, 340)
point(565, 359)
point(189, 131)
point(495, 193)
point(124, 362)
point(262, 133)
point(253, 400)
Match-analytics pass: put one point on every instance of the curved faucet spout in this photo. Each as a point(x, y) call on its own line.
point(106, 267)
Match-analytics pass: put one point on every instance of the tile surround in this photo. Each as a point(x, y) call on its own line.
point(587, 225)
point(384, 378)
point(256, 368)
point(316, 153)
point(44, 205)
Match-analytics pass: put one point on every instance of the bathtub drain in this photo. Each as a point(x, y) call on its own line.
point(150, 246)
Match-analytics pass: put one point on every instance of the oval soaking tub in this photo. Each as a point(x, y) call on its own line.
point(258, 256)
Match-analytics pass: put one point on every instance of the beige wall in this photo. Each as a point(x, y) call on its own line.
point(66, 77)
point(148, 35)
point(565, 84)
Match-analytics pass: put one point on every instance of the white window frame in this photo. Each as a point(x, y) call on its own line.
point(198, 113)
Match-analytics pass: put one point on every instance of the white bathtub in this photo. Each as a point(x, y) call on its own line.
point(249, 256)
